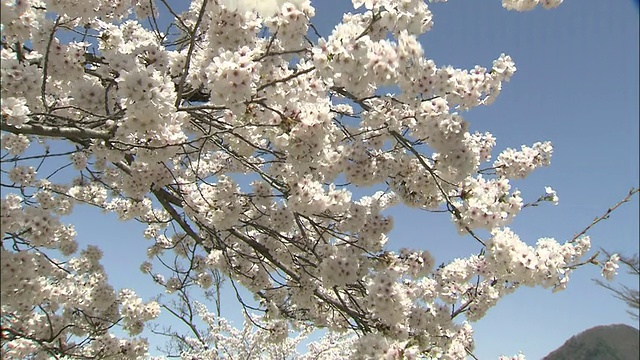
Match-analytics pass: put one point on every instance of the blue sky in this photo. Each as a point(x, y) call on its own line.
point(577, 86)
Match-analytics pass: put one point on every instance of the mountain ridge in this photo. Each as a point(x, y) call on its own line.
point(603, 342)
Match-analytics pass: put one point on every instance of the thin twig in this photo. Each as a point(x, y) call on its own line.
point(605, 216)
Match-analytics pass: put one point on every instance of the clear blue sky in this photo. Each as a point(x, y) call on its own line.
point(576, 85)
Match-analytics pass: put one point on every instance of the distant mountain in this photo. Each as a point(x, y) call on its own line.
point(607, 342)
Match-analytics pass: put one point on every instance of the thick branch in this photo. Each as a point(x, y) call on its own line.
point(56, 132)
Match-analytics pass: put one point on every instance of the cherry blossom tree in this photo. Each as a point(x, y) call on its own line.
point(236, 134)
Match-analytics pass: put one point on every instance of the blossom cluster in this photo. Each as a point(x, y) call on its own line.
point(77, 302)
point(610, 267)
